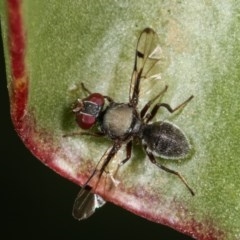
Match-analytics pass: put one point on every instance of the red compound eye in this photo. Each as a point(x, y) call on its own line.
point(96, 98)
point(85, 121)
point(88, 110)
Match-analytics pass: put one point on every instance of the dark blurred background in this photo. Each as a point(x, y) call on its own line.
point(37, 203)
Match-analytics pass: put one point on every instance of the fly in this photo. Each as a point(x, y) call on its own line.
point(123, 123)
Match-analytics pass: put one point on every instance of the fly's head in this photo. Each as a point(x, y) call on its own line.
point(88, 109)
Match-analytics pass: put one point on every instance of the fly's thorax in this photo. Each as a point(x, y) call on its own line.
point(118, 120)
point(165, 140)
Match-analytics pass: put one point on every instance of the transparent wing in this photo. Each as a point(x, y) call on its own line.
point(148, 54)
point(86, 203)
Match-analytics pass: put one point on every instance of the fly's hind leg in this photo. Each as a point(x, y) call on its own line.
point(153, 160)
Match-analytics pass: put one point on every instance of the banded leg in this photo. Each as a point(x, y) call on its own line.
point(148, 104)
point(128, 153)
point(153, 160)
point(128, 156)
point(155, 109)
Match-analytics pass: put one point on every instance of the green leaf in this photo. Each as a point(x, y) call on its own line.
point(53, 46)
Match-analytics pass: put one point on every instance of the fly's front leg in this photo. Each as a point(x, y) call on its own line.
point(108, 98)
point(85, 89)
point(94, 134)
point(89, 93)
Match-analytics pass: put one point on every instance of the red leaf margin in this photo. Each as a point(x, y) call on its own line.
point(22, 117)
point(19, 88)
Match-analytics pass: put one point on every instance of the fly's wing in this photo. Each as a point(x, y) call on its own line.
point(85, 203)
point(148, 54)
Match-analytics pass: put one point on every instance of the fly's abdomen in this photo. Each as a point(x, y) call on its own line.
point(165, 140)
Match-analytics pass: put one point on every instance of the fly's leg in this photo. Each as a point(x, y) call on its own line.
point(108, 98)
point(128, 156)
point(152, 114)
point(128, 153)
point(85, 89)
point(94, 134)
point(89, 92)
point(148, 104)
point(153, 160)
